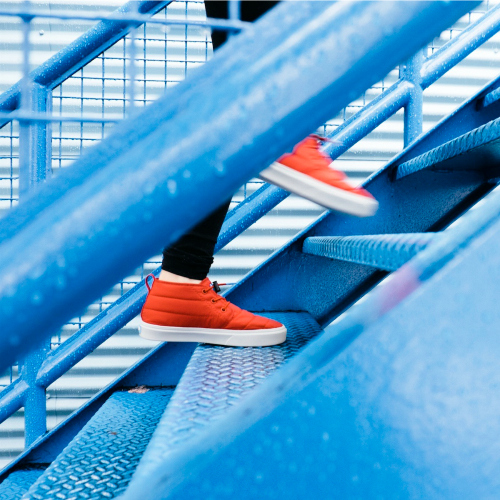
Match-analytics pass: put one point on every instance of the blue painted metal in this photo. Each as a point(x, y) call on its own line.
point(80, 52)
point(12, 398)
point(58, 361)
point(414, 113)
point(450, 54)
point(34, 165)
point(478, 149)
point(100, 460)
point(35, 141)
point(102, 208)
point(398, 95)
point(216, 379)
point(427, 202)
point(391, 402)
point(491, 98)
point(380, 108)
point(368, 118)
point(19, 482)
point(383, 251)
point(162, 367)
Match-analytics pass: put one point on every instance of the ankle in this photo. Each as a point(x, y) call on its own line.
point(175, 278)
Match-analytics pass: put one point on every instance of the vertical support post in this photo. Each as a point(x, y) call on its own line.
point(413, 111)
point(35, 404)
point(34, 167)
point(34, 140)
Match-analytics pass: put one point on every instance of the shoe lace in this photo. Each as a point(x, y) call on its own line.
point(215, 287)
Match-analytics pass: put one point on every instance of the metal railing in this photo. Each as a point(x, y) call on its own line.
point(27, 102)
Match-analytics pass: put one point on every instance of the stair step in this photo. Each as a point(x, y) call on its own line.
point(100, 460)
point(383, 251)
point(19, 482)
point(216, 379)
point(478, 149)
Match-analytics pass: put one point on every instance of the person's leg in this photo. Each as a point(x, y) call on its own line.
point(182, 306)
point(189, 259)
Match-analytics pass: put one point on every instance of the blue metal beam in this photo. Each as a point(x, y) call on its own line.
point(119, 200)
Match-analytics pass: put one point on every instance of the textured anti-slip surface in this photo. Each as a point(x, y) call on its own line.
point(216, 378)
point(384, 251)
point(486, 136)
point(19, 483)
point(99, 462)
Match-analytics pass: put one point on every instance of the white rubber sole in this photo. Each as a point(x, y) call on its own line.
point(319, 192)
point(236, 338)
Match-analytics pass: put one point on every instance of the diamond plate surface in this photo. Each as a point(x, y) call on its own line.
point(19, 483)
point(216, 378)
point(101, 459)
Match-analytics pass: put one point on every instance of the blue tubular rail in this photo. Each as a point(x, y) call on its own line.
point(399, 94)
point(96, 232)
point(77, 54)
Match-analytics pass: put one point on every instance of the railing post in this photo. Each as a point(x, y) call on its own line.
point(34, 141)
point(34, 168)
point(413, 111)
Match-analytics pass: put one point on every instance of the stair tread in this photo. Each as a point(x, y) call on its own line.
point(481, 145)
point(19, 482)
point(383, 251)
point(216, 379)
point(107, 449)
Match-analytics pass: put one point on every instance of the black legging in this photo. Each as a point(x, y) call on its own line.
point(193, 254)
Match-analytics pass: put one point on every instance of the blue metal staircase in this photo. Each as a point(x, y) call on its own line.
point(391, 401)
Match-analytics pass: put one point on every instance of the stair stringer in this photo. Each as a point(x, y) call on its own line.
point(397, 400)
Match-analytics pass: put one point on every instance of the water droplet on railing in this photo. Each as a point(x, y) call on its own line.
point(37, 298)
point(172, 186)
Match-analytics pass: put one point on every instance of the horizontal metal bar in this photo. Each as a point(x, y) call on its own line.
point(368, 118)
point(383, 251)
point(43, 117)
point(461, 46)
point(161, 172)
point(132, 20)
point(117, 315)
point(80, 52)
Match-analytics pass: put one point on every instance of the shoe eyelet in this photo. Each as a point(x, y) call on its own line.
point(205, 291)
point(213, 301)
point(223, 309)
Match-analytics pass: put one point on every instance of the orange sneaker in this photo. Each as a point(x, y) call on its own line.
point(307, 173)
point(178, 312)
